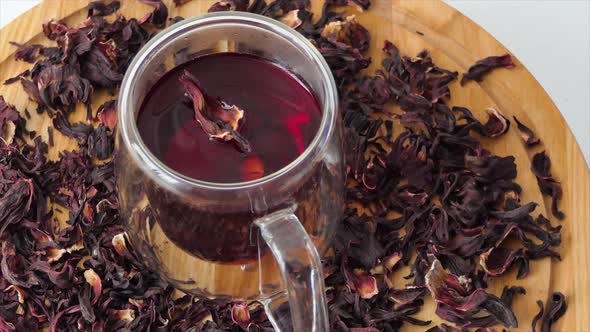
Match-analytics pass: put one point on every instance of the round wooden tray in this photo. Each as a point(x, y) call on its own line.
point(455, 43)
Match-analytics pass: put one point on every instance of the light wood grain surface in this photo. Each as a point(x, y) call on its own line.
point(455, 43)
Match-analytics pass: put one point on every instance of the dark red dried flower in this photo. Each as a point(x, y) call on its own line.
point(17, 77)
point(107, 114)
point(555, 309)
point(218, 119)
point(538, 316)
point(292, 19)
point(27, 53)
point(541, 167)
point(9, 118)
point(349, 32)
point(240, 314)
point(456, 302)
point(362, 4)
point(159, 16)
point(528, 136)
point(496, 261)
point(175, 19)
point(484, 66)
point(229, 5)
point(98, 8)
point(496, 125)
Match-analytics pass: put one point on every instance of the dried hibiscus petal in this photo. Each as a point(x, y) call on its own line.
point(94, 281)
point(496, 261)
point(240, 314)
point(59, 87)
point(218, 119)
point(107, 114)
point(455, 299)
point(9, 116)
point(99, 69)
point(362, 4)
point(160, 14)
point(179, 2)
point(127, 315)
point(100, 143)
point(491, 168)
point(17, 77)
point(508, 294)
point(119, 243)
point(15, 202)
point(27, 53)
point(78, 131)
point(46, 242)
point(554, 309)
point(484, 66)
point(538, 316)
point(541, 167)
point(528, 136)
point(98, 8)
point(53, 29)
point(12, 266)
point(496, 125)
point(349, 32)
point(361, 282)
point(407, 295)
point(174, 20)
point(229, 5)
point(292, 19)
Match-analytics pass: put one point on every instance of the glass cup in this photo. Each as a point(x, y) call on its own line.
point(257, 240)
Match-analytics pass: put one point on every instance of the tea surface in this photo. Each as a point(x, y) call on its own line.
point(281, 118)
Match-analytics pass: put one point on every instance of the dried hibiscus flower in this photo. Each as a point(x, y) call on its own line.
point(27, 53)
point(17, 77)
point(362, 283)
point(349, 32)
point(292, 19)
point(496, 125)
point(555, 309)
point(58, 87)
point(217, 118)
point(230, 5)
point(484, 66)
point(10, 121)
point(160, 14)
point(98, 8)
point(240, 314)
point(541, 167)
point(107, 114)
point(528, 136)
point(457, 302)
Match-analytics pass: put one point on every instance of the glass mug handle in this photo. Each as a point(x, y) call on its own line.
point(301, 268)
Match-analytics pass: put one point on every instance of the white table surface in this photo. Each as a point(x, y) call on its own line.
point(552, 38)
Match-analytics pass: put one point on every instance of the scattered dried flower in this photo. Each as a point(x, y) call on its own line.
point(484, 66)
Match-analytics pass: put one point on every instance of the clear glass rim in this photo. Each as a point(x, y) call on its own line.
point(126, 117)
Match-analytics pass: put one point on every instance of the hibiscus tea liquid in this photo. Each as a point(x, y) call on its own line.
point(281, 118)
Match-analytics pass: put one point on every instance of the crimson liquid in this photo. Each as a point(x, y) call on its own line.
point(281, 118)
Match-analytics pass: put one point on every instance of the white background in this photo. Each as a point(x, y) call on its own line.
point(552, 38)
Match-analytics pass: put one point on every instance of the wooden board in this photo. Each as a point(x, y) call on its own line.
point(455, 42)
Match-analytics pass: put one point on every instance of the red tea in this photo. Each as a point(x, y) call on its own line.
point(281, 118)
